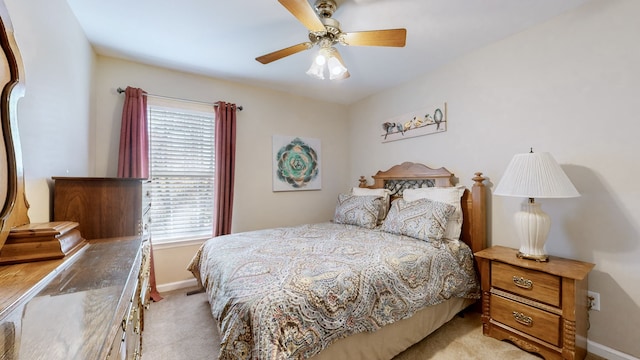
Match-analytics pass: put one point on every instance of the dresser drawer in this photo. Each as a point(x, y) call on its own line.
point(535, 322)
point(533, 284)
point(146, 208)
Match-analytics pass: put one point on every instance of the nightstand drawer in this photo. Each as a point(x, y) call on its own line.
point(533, 284)
point(538, 306)
point(530, 320)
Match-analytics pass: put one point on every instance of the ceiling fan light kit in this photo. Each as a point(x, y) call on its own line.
point(325, 32)
point(328, 56)
point(336, 69)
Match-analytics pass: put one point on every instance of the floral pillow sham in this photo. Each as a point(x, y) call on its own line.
point(449, 195)
point(384, 204)
point(422, 219)
point(357, 210)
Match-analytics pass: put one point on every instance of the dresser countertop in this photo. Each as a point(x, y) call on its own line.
point(64, 309)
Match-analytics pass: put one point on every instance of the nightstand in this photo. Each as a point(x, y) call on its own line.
point(540, 307)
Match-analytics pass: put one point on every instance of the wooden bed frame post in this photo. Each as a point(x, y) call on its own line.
point(479, 208)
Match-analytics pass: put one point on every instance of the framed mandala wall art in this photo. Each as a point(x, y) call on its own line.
point(296, 163)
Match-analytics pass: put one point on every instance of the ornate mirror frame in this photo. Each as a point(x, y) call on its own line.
point(13, 204)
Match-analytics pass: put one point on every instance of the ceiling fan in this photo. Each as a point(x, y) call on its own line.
point(325, 32)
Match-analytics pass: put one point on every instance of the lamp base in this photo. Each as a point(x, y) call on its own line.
point(533, 226)
point(539, 258)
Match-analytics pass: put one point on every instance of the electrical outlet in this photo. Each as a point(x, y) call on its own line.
point(594, 301)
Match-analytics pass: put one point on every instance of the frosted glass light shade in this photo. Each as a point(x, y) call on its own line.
point(316, 70)
point(320, 59)
point(330, 58)
point(535, 175)
point(336, 69)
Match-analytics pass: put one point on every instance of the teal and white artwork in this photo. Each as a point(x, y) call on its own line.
point(296, 163)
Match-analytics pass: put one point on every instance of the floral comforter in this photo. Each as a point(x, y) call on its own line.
point(287, 293)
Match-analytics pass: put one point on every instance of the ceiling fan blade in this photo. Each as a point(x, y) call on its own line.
point(303, 11)
point(390, 37)
point(277, 55)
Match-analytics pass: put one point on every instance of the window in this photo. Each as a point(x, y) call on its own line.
point(182, 169)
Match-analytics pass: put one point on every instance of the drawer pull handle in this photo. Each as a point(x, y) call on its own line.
point(522, 282)
point(522, 318)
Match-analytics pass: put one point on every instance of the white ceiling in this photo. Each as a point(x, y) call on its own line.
point(222, 38)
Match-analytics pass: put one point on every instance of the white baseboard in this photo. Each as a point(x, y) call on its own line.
point(177, 285)
point(607, 352)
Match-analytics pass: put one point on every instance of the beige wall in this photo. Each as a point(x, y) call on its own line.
point(570, 87)
point(53, 115)
point(265, 113)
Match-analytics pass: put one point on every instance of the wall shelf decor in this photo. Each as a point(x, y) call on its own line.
point(429, 120)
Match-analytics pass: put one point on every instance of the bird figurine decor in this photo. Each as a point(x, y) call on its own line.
point(417, 125)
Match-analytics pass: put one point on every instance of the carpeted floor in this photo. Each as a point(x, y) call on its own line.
point(181, 327)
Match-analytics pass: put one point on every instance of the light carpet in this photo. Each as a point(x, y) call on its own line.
point(182, 327)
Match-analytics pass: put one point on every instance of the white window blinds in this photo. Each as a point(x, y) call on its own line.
point(182, 167)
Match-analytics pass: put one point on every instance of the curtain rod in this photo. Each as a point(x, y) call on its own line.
point(121, 90)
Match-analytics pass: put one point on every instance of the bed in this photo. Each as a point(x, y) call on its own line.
point(394, 264)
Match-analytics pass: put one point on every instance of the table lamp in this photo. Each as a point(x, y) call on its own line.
point(534, 175)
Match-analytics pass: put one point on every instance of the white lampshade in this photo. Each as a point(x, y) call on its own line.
point(534, 175)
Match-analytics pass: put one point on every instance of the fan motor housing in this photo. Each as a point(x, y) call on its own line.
point(332, 31)
point(325, 8)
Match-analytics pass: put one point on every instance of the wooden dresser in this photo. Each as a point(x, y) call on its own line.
point(88, 305)
point(539, 306)
point(104, 207)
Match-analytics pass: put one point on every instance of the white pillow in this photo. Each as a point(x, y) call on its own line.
point(384, 193)
point(449, 195)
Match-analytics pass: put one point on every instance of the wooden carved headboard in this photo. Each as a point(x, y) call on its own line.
point(13, 204)
point(413, 175)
